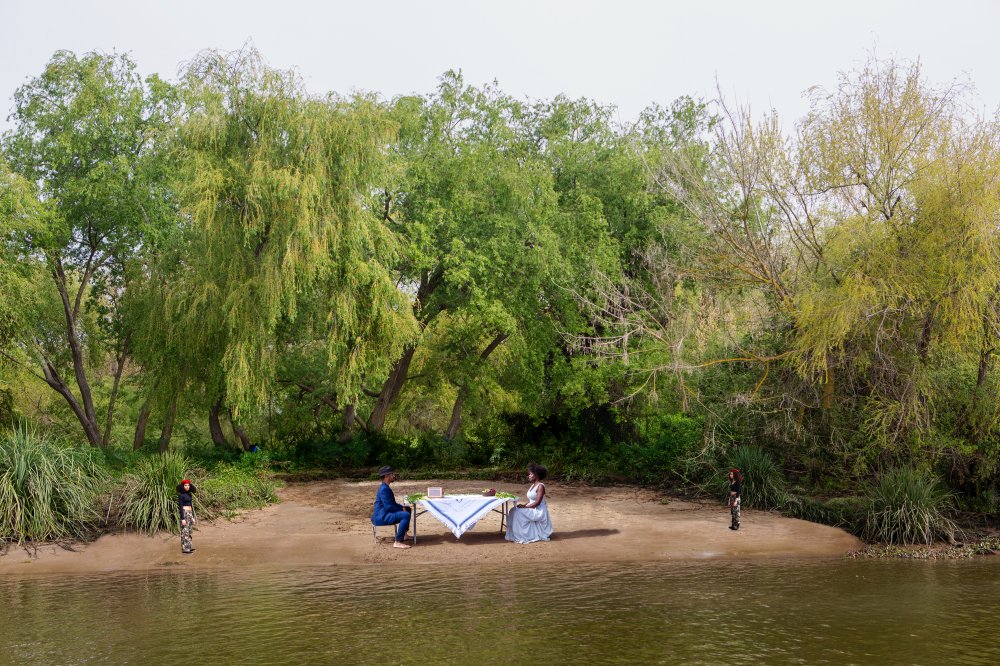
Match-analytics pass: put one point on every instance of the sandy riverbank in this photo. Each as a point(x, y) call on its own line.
point(326, 522)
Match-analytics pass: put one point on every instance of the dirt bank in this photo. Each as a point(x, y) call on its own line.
point(326, 522)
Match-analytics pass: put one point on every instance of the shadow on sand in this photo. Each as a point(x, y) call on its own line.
point(472, 539)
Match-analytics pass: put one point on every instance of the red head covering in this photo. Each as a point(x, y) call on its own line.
point(187, 481)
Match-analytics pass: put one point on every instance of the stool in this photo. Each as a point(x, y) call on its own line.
point(375, 534)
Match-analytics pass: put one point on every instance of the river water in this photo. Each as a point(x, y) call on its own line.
point(797, 612)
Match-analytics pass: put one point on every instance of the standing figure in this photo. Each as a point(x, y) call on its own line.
point(530, 522)
point(387, 511)
point(185, 502)
point(735, 480)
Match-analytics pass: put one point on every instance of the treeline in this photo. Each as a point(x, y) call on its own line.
point(468, 278)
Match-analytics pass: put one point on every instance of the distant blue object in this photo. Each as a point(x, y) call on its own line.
point(254, 449)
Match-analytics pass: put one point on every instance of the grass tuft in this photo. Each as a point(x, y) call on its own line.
point(906, 506)
point(48, 491)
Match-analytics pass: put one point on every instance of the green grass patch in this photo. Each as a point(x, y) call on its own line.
point(48, 491)
point(906, 506)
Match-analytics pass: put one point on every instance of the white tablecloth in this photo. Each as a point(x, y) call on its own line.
point(460, 513)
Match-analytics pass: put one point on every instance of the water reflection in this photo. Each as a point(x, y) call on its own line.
point(832, 612)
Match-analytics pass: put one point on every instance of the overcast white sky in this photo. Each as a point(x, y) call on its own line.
point(624, 52)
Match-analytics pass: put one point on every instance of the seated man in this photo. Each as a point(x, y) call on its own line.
point(387, 511)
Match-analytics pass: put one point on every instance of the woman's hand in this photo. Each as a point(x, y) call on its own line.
point(184, 523)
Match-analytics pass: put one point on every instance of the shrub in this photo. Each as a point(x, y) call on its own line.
point(149, 498)
point(236, 488)
point(663, 441)
point(907, 506)
point(47, 491)
point(845, 512)
point(763, 486)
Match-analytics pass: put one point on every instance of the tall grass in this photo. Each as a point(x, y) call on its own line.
point(149, 498)
point(47, 491)
point(907, 506)
point(764, 485)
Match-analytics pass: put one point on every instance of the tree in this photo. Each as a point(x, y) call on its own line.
point(488, 253)
point(89, 132)
point(280, 247)
point(863, 246)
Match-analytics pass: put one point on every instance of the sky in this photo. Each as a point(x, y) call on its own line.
point(628, 53)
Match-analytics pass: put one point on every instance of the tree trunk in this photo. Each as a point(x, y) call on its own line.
point(140, 427)
point(350, 414)
point(76, 352)
point(168, 426)
point(390, 390)
point(456, 414)
point(114, 389)
point(429, 282)
point(985, 360)
point(55, 381)
point(456, 411)
point(828, 389)
point(240, 432)
point(215, 426)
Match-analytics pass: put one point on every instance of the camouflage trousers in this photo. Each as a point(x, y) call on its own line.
point(734, 510)
point(186, 525)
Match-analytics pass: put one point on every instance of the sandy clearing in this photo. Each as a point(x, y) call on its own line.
point(323, 523)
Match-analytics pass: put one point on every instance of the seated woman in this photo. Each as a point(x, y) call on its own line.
point(387, 511)
point(530, 522)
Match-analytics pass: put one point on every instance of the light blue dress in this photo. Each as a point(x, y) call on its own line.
point(528, 525)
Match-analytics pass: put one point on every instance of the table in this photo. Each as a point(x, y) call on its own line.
point(460, 513)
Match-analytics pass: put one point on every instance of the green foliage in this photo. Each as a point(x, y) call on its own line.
point(90, 137)
point(47, 491)
point(764, 485)
point(294, 251)
point(662, 441)
point(907, 506)
point(236, 487)
point(148, 501)
point(845, 512)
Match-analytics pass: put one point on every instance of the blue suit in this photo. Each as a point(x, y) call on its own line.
point(388, 512)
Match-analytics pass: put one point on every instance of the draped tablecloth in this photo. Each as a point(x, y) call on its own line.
point(460, 513)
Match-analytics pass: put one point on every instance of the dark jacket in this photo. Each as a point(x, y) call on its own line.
point(185, 498)
point(385, 505)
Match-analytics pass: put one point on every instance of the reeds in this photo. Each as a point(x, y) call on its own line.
point(763, 484)
point(907, 506)
point(149, 499)
point(48, 491)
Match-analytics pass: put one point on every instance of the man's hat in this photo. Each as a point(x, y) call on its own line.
point(384, 471)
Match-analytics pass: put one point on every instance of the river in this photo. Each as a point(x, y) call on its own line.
point(794, 612)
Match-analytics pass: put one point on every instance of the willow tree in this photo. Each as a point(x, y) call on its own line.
point(88, 134)
point(275, 183)
point(19, 216)
point(870, 234)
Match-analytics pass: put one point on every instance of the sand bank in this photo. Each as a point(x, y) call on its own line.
point(323, 523)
